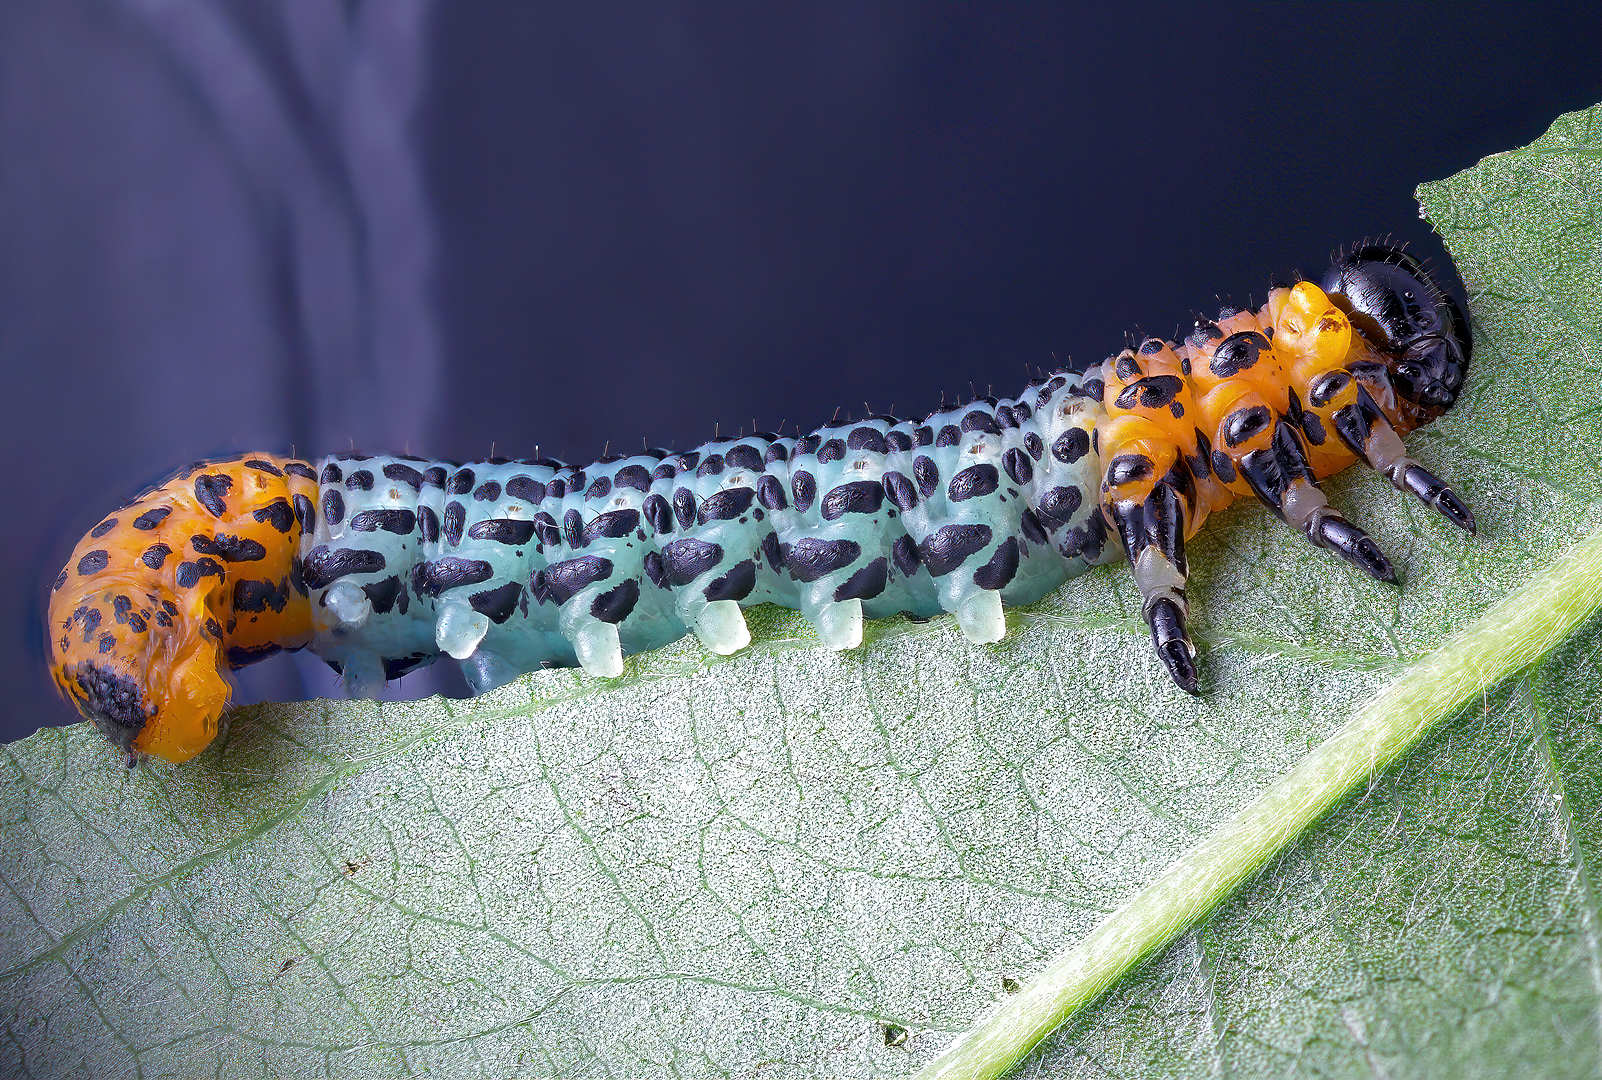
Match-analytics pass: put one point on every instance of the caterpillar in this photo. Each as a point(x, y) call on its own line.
point(380, 564)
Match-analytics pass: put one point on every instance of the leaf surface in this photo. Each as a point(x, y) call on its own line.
point(793, 862)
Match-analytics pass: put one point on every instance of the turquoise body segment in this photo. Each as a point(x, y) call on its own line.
point(507, 566)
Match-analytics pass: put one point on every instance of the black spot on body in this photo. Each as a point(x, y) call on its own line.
point(735, 584)
point(461, 482)
point(1018, 466)
point(391, 520)
point(1327, 388)
point(905, 554)
point(866, 438)
point(1223, 467)
point(566, 579)
point(360, 480)
point(106, 526)
point(488, 491)
point(950, 435)
point(866, 583)
point(277, 513)
point(1200, 463)
point(151, 518)
point(616, 604)
point(305, 514)
point(655, 570)
point(1002, 567)
point(927, 475)
point(573, 529)
point(228, 548)
point(404, 474)
point(898, 440)
point(685, 560)
point(299, 468)
point(324, 565)
point(659, 514)
point(1035, 445)
point(744, 457)
point(1061, 503)
point(945, 550)
point(770, 493)
point(529, 489)
point(332, 474)
point(382, 594)
point(90, 618)
point(974, 482)
point(1127, 469)
point(93, 562)
point(599, 488)
point(901, 491)
point(810, 558)
point(856, 497)
point(833, 450)
point(258, 596)
point(1243, 424)
point(333, 507)
point(804, 488)
point(612, 525)
point(455, 521)
point(1152, 392)
point(629, 476)
point(1237, 353)
point(190, 573)
point(1030, 525)
point(684, 507)
point(509, 531)
point(1071, 445)
point(980, 420)
point(725, 505)
point(211, 490)
point(428, 523)
point(772, 552)
point(434, 476)
point(498, 603)
point(447, 572)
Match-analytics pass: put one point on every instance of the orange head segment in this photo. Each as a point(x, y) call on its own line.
point(157, 598)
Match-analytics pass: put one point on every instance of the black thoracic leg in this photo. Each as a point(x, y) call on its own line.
point(1366, 432)
point(1153, 532)
point(1282, 479)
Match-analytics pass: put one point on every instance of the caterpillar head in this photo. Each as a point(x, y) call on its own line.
point(137, 665)
point(1410, 319)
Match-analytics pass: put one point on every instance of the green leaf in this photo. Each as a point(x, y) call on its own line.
point(793, 862)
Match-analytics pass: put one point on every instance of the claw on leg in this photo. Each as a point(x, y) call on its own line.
point(1166, 617)
point(1283, 481)
point(1327, 529)
point(1366, 432)
point(1433, 492)
point(1153, 533)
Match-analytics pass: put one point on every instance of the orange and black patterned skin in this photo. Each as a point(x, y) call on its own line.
point(1264, 404)
point(200, 574)
point(996, 501)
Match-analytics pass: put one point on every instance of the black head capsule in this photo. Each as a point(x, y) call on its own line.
point(1402, 312)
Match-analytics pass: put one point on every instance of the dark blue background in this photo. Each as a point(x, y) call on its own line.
point(649, 220)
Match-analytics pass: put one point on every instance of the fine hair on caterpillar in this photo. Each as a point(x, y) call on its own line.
point(380, 564)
